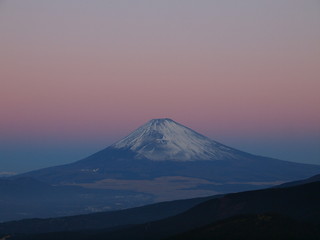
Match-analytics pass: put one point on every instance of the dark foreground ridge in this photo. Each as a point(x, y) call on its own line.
point(252, 227)
point(273, 212)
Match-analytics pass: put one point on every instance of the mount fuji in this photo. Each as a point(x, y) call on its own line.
point(164, 160)
point(165, 139)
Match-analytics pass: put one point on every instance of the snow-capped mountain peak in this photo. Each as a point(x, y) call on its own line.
point(165, 139)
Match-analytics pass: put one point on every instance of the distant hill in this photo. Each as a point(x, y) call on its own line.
point(315, 178)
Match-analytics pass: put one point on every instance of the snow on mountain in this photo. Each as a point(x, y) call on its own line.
point(165, 139)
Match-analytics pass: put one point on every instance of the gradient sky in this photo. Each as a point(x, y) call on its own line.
point(76, 75)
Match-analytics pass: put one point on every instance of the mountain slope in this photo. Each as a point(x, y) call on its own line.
point(163, 147)
point(168, 161)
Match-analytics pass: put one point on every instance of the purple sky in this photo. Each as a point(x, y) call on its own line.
point(77, 75)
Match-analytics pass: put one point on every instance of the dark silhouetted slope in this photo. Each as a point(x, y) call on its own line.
point(253, 227)
point(300, 203)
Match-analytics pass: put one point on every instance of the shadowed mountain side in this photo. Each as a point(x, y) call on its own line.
point(299, 202)
point(252, 227)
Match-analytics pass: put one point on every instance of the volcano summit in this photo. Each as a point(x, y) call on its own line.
point(165, 139)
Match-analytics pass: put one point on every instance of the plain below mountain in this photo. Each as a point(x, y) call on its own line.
point(297, 206)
